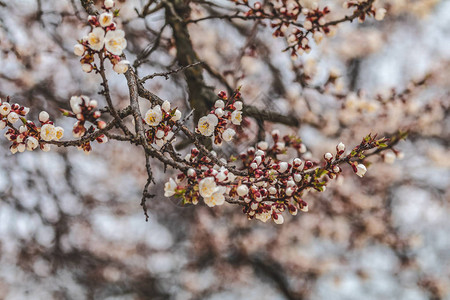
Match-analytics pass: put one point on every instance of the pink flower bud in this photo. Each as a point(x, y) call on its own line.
point(328, 156)
point(361, 170)
point(283, 166)
point(340, 148)
point(191, 173)
point(101, 124)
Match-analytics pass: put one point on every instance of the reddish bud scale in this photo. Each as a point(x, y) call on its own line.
point(308, 164)
point(223, 95)
point(194, 152)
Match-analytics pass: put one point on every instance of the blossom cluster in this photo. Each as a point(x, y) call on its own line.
point(297, 20)
point(204, 179)
point(105, 40)
point(161, 119)
point(261, 181)
point(377, 13)
point(269, 187)
point(28, 136)
point(226, 112)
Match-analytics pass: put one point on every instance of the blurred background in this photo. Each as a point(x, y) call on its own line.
point(71, 226)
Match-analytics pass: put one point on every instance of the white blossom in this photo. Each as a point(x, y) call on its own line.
point(45, 147)
point(109, 4)
point(5, 108)
point(166, 106)
point(20, 138)
point(207, 187)
point(169, 136)
point(305, 208)
point(279, 220)
point(380, 13)
point(105, 19)
point(289, 191)
point(389, 157)
point(231, 177)
point(48, 132)
point(176, 116)
point(263, 145)
point(115, 41)
point(121, 67)
point(21, 148)
point(13, 117)
point(228, 134)
point(13, 149)
point(217, 198)
point(159, 143)
point(264, 216)
point(221, 176)
point(96, 39)
point(219, 112)
point(238, 105)
point(340, 147)
point(283, 167)
point(59, 132)
point(280, 146)
point(242, 190)
point(328, 156)
point(75, 104)
point(275, 133)
point(361, 170)
point(219, 104)
point(153, 116)
point(307, 25)
point(32, 143)
point(93, 103)
point(159, 134)
point(191, 172)
point(169, 188)
point(44, 116)
point(236, 117)
point(318, 36)
point(292, 39)
point(259, 153)
point(78, 50)
point(2, 124)
point(207, 124)
point(87, 68)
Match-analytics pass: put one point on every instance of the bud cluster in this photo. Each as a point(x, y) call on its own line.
point(262, 183)
point(226, 112)
point(296, 20)
point(84, 109)
point(105, 40)
point(204, 179)
point(269, 188)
